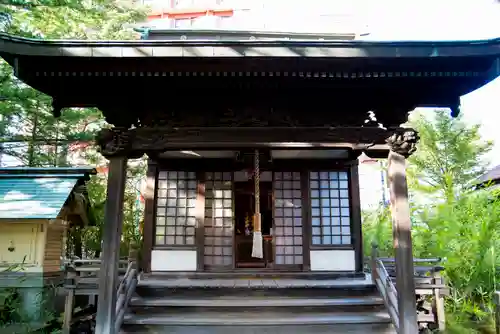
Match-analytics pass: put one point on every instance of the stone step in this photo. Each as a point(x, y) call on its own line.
point(269, 329)
point(256, 318)
point(232, 301)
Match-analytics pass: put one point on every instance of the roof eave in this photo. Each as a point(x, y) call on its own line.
point(18, 46)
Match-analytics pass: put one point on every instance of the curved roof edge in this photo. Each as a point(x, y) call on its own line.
point(494, 42)
point(19, 46)
point(225, 34)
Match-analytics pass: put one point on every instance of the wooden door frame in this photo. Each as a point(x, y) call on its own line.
point(235, 266)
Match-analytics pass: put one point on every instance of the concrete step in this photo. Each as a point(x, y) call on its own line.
point(256, 318)
point(269, 329)
point(233, 302)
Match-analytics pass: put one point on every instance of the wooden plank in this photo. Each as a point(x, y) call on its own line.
point(255, 301)
point(415, 260)
point(258, 318)
point(164, 138)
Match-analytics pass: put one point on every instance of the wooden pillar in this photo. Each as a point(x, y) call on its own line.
point(402, 145)
point(149, 216)
point(115, 150)
point(200, 221)
point(355, 204)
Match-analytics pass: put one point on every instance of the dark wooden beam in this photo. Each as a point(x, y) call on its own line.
point(230, 165)
point(138, 141)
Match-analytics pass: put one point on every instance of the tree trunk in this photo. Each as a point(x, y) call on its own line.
point(31, 144)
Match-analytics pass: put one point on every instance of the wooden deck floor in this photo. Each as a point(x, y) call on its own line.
point(276, 283)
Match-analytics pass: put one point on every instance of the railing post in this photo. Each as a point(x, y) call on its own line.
point(373, 263)
point(439, 314)
point(133, 254)
point(70, 286)
point(496, 299)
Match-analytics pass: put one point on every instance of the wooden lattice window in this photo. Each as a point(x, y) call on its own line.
point(330, 209)
point(288, 218)
point(219, 229)
point(175, 208)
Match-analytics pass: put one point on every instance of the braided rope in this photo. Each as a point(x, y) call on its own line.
point(257, 182)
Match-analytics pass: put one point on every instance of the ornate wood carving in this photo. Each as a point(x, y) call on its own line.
point(211, 115)
point(137, 141)
point(403, 142)
point(116, 142)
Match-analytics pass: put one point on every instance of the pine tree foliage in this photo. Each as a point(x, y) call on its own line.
point(450, 155)
point(29, 133)
point(72, 19)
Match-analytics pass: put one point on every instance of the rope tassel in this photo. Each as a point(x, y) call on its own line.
point(257, 247)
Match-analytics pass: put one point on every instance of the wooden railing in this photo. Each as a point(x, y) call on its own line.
point(125, 292)
point(82, 279)
point(384, 284)
point(430, 289)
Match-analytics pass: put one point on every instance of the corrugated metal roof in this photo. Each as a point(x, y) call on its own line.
point(491, 175)
point(35, 196)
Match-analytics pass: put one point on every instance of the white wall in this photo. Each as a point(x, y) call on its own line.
point(173, 260)
point(333, 260)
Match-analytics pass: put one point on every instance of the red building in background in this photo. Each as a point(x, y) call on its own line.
point(255, 15)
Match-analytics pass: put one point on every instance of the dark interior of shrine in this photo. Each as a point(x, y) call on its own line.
point(244, 209)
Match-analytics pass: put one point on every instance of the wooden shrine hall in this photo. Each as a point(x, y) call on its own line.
point(253, 147)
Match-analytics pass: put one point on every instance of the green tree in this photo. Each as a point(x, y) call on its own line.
point(71, 19)
point(450, 155)
point(28, 130)
point(461, 226)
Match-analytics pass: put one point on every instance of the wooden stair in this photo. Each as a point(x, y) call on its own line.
point(256, 306)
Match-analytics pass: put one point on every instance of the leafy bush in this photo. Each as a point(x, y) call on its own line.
point(12, 312)
point(466, 235)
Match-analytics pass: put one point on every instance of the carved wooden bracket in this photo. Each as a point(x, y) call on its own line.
point(403, 141)
point(116, 142)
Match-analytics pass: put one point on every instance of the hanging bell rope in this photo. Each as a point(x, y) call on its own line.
point(257, 183)
point(257, 247)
